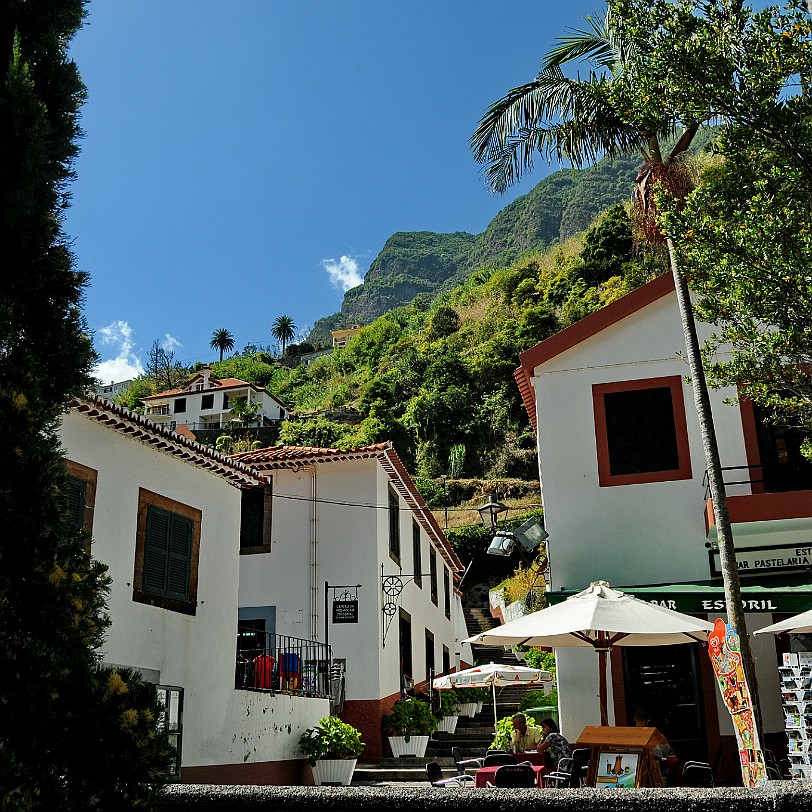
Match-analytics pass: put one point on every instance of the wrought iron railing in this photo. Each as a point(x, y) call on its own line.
point(277, 662)
point(732, 475)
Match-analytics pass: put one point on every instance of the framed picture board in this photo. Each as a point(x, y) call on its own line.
point(618, 769)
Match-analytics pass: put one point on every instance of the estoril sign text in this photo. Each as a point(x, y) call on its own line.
point(756, 560)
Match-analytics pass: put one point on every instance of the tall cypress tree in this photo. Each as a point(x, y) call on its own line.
point(60, 716)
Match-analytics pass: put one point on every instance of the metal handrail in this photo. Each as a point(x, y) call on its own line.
point(277, 662)
point(747, 481)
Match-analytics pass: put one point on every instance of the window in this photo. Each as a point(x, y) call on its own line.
point(433, 574)
point(255, 520)
point(417, 556)
point(641, 432)
point(394, 526)
point(446, 594)
point(225, 402)
point(446, 660)
point(170, 719)
point(166, 553)
point(429, 654)
point(405, 643)
point(80, 492)
point(207, 402)
point(180, 405)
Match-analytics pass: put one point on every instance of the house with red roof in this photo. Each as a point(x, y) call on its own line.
point(622, 472)
point(349, 554)
point(166, 515)
point(206, 403)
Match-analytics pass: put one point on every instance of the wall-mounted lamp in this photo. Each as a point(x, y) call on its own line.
point(490, 511)
point(502, 544)
point(528, 536)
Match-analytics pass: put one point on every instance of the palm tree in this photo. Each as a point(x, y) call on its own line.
point(579, 120)
point(283, 331)
point(222, 340)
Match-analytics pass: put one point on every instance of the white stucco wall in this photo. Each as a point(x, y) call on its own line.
point(352, 541)
point(196, 652)
point(632, 534)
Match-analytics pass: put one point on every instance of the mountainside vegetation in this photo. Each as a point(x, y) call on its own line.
point(423, 262)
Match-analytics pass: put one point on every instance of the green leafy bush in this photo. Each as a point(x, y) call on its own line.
point(331, 738)
point(504, 731)
point(449, 702)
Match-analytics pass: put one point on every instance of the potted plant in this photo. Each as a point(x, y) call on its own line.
point(449, 711)
point(332, 747)
point(409, 725)
point(468, 699)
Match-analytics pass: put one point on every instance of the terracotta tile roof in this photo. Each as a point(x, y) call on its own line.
point(582, 330)
point(281, 457)
point(216, 385)
point(134, 425)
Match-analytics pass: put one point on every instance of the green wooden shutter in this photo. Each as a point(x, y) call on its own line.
point(252, 519)
point(76, 495)
point(180, 556)
point(156, 551)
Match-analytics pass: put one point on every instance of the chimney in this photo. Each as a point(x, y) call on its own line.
point(206, 372)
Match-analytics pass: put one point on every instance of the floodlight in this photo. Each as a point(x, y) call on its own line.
point(502, 544)
point(530, 534)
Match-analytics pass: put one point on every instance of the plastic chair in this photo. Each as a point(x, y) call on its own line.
point(697, 774)
point(435, 776)
point(498, 759)
point(514, 775)
point(569, 775)
point(462, 763)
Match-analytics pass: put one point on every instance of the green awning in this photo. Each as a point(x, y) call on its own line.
point(788, 594)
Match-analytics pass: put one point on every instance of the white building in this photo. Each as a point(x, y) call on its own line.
point(622, 465)
point(347, 526)
point(206, 403)
point(165, 516)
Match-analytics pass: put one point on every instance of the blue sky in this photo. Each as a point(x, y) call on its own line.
point(248, 159)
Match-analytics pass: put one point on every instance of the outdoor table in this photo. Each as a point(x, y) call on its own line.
point(533, 756)
point(485, 774)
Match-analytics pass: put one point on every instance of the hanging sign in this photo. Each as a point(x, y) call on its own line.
point(345, 611)
point(725, 654)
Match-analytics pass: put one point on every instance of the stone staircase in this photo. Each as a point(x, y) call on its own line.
point(473, 735)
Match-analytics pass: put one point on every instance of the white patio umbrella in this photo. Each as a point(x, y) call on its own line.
point(493, 675)
point(799, 624)
point(599, 617)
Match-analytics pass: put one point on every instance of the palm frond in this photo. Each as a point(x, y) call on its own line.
point(553, 116)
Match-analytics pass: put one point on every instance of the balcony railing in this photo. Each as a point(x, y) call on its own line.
point(152, 410)
point(734, 475)
point(276, 662)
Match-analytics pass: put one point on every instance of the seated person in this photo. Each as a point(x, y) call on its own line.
point(554, 744)
point(642, 718)
point(524, 737)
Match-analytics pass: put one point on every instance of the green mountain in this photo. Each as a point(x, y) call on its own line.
point(423, 262)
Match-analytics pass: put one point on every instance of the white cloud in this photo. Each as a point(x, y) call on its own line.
point(125, 365)
point(170, 343)
point(344, 273)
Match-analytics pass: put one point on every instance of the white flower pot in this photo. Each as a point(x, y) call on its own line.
point(448, 724)
point(479, 706)
point(468, 709)
point(416, 746)
point(334, 771)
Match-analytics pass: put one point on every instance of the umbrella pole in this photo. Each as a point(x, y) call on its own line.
point(603, 690)
point(495, 720)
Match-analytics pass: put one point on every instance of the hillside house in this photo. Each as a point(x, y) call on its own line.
point(349, 532)
point(205, 403)
point(342, 337)
point(622, 471)
point(165, 514)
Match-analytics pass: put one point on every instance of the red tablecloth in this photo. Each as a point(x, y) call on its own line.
point(533, 756)
point(486, 774)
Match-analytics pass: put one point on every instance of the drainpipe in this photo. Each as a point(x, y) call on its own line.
point(314, 558)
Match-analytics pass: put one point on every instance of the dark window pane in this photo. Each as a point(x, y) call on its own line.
point(252, 519)
point(207, 402)
point(417, 555)
point(640, 431)
point(433, 575)
point(180, 405)
point(394, 525)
